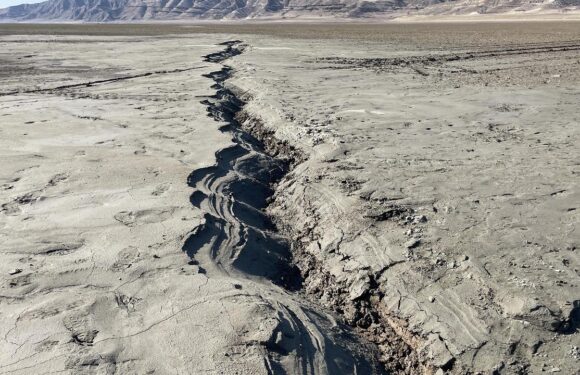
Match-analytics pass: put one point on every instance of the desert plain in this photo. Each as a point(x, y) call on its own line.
point(270, 198)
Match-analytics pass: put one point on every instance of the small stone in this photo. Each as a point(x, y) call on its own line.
point(431, 299)
point(465, 257)
point(451, 264)
point(555, 369)
point(412, 243)
point(575, 352)
point(420, 219)
point(359, 288)
point(15, 271)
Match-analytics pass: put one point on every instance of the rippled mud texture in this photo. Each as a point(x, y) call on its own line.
point(235, 192)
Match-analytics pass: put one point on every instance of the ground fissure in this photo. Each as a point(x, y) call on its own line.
point(302, 272)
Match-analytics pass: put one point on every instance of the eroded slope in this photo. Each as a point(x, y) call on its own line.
point(140, 10)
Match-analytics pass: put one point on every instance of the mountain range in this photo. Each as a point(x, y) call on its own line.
point(141, 10)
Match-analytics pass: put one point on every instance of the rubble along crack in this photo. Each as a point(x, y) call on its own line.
point(237, 237)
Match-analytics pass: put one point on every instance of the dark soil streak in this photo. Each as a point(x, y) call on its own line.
point(235, 191)
point(98, 82)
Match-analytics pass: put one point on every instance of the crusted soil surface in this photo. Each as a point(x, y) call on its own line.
point(436, 210)
point(334, 202)
point(133, 236)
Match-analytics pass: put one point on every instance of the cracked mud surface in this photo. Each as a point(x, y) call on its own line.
point(306, 206)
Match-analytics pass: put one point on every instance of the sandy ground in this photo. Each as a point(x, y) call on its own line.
point(96, 210)
point(431, 208)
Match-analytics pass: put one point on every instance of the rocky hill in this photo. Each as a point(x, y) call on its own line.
point(138, 10)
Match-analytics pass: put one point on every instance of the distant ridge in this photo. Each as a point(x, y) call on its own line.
point(141, 10)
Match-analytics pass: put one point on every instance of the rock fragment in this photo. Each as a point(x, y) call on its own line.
point(359, 288)
point(412, 243)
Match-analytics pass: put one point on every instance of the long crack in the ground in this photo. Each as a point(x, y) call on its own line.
point(235, 192)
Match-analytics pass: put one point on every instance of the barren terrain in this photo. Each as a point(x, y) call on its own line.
point(290, 198)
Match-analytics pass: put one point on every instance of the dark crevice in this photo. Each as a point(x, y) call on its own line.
point(235, 191)
point(237, 233)
point(572, 324)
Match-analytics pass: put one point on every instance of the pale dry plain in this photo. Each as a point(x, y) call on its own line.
point(420, 184)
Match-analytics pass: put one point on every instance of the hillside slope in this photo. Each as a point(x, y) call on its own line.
point(138, 10)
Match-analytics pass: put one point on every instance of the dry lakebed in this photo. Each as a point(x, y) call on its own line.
point(279, 198)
